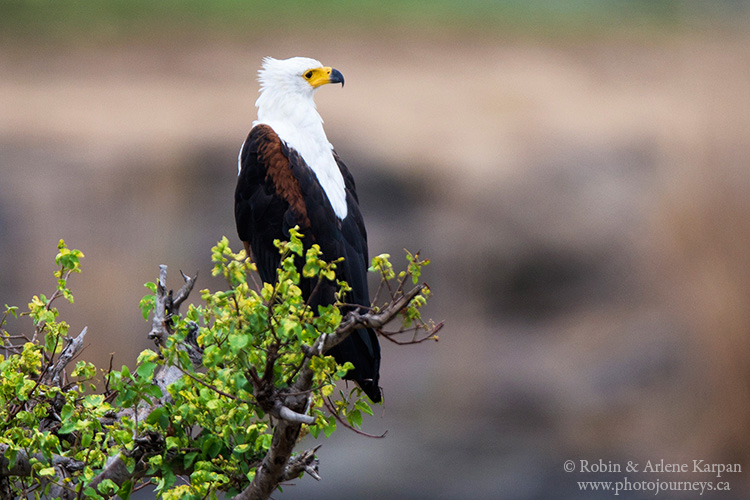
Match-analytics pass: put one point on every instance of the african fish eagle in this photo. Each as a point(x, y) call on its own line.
point(290, 175)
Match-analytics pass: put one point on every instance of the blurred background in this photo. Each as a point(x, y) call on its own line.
point(576, 171)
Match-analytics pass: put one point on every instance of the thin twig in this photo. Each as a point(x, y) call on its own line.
point(355, 320)
point(328, 404)
point(314, 291)
point(213, 388)
point(109, 372)
point(429, 335)
point(15, 408)
point(184, 291)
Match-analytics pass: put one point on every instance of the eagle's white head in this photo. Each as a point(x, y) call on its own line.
point(296, 75)
point(286, 104)
point(287, 87)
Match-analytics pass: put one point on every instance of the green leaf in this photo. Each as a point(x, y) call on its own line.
point(295, 243)
point(160, 417)
point(330, 427)
point(355, 418)
point(189, 458)
point(93, 401)
point(125, 490)
point(91, 493)
point(264, 441)
point(146, 370)
point(86, 438)
point(11, 310)
point(172, 442)
point(363, 406)
point(52, 343)
point(26, 418)
point(211, 446)
point(107, 486)
point(184, 358)
point(242, 448)
point(84, 370)
point(154, 391)
point(156, 461)
point(146, 305)
point(11, 453)
point(381, 264)
point(67, 427)
point(147, 355)
point(47, 472)
point(67, 258)
point(129, 463)
point(238, 341)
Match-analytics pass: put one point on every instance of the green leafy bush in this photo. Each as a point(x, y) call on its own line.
point(252, 378)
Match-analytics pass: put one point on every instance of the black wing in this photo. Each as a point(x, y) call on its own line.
point(258, 209)
point(276, 190)
point(361, 347)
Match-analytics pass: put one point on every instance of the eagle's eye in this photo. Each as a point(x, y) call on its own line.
point(309, 75)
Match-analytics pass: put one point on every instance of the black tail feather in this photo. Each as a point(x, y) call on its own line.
point(363, 350)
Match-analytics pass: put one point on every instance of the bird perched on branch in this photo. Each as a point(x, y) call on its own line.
point(290, 175)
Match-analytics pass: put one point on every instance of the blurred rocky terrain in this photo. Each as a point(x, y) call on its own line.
point(584, 204)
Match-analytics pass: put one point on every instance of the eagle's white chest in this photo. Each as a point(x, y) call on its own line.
point(318, 154)
point(299, 125)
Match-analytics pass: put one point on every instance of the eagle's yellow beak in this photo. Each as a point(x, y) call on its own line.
point(320, 76)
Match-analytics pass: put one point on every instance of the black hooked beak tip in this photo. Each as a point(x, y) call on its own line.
point(336, 77)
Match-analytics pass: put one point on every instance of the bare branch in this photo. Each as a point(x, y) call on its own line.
point(22, 467)
point(54, 373)
point(303, 462)
point(166, 306)
point(292, 416)
point(183, 293)
point(332, 410)
point(431, 334)
point(272, 470)
point(159, 330)
point(64, 467)
point(275, 464)
point(116, 468)
point(355, 320)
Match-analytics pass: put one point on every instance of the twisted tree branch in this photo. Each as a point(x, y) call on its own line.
point(54, 374)
point(355, 320)
point(277, 461)
point(117, 469)
point(303, 462)
point(22, 466)
point(168, 304)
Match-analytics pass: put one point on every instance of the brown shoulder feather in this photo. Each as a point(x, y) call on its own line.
point(270, 152)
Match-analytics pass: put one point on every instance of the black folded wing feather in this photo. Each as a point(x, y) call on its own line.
point(276, 191)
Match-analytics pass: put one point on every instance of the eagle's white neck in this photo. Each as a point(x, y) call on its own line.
point(296, 121)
